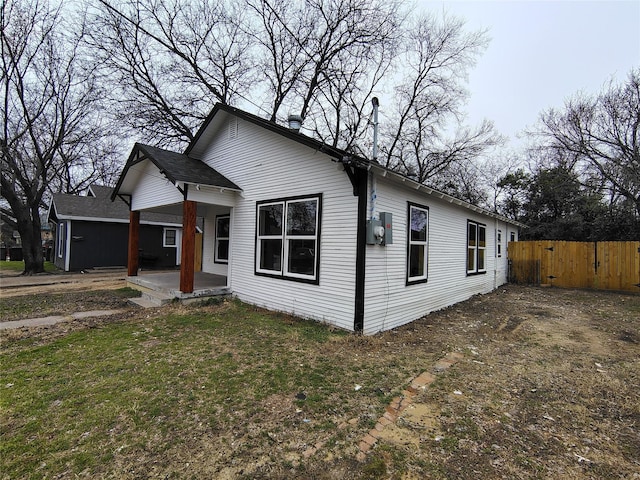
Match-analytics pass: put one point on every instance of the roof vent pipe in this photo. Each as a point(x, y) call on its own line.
point(376, 104)
point(295, 122)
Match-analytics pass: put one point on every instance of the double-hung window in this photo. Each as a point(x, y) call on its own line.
point(221, 254)
point(499, 244)
point(169, 238)
point(417, 244)
point(476, 248)
point(287, 238)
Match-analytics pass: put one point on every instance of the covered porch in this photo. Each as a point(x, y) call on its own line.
point(159, 288)
point(162, 181)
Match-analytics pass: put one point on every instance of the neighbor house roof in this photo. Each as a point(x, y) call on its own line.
point(98, 207)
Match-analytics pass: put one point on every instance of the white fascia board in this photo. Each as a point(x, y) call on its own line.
point(217, 187)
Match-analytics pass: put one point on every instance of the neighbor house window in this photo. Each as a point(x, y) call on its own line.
point(499, 243)
point(417, 244)
point(287, 236)
point(60, 239)
point(222, 239)
point(476, 247)
point(169, 238)
point(513, 237)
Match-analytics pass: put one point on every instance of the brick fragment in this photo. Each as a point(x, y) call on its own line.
point(384, 421)
point(369, 439)
point(364, 446)
point(390, 416)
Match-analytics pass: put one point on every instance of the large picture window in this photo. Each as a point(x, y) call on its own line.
point(417, 244)
point(476, 248)
point(221, 254)
point(287, 236)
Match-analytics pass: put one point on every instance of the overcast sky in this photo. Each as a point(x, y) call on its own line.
point(542, 52)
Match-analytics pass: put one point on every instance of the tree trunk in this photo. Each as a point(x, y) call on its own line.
point(29, 228)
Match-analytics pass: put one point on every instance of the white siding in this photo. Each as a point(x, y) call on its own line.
point(389, 302)
point(208, 241)
point(154, 190)
point(268, 166)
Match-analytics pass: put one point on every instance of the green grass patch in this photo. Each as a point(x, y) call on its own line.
point(18, 266)
point(132, 396)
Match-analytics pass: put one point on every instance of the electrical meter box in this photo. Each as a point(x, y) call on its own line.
point(379, 232)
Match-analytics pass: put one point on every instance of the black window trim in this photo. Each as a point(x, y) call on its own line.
point(283, 276)
point(477, 271)
point(408, 251)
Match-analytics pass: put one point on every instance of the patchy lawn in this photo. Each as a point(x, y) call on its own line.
point(548, 388)
point(46, 304)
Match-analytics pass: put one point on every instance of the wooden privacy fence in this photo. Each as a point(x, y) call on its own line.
point(598, 265)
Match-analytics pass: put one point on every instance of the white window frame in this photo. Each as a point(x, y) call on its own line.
point(219, 238)
point(175, 238)
point(499, 243)
point(474, 249)
point(424, 243)
point(61, 232)
point(286, 238)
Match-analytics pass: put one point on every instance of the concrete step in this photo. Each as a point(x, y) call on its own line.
point(150, 298)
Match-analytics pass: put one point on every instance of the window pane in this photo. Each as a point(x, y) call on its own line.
point(418, 225)
point(480, 259)
point(472, 235)
point(302, 256)
point(223, 250)
point(416, 261)
point(270, 218)
point(482, 236)
point(169, 237)
point(471, 259)
point(222, 227)
point(301, 217)
point(271, 254)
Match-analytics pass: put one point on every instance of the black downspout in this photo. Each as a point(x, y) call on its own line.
point(361, 180)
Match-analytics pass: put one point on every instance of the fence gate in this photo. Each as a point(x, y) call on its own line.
point(599, 265)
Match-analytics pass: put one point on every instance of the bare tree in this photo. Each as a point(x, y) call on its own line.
point(599, 138)
point(429, 97)
point(51, 134)
point(169, 62)
point(309, 49)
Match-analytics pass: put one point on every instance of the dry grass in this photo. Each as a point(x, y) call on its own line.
point(548, 388)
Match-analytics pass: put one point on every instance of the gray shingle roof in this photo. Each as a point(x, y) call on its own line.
point(101, 207)
point(179, 167)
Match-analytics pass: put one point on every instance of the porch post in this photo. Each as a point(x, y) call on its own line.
point(134, 236)
point(188, 246)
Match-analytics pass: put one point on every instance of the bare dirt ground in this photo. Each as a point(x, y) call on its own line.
point(549, 387)
point(14, 284)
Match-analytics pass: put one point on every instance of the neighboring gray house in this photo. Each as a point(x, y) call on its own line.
point(92, 231)
point(299, 226)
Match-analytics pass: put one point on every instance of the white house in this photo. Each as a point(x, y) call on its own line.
point(302, 227)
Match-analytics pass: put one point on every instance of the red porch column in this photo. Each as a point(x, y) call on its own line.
point(134, 236)
point(188, 245)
